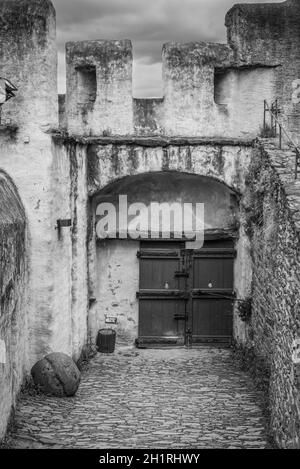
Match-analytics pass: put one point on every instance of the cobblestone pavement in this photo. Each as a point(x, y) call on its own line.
point(170, 398)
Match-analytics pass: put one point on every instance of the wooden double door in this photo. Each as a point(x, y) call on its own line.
point(185, 296)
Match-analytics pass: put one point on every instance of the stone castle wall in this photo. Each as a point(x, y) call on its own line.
point(45, 175)
point(269, 34)
point(205, 92)
point(271, 222)
point(13, 294)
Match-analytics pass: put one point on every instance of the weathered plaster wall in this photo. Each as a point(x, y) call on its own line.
point(99, 92)
point(13, 289)
point(68, 250)
point(240, 93)
point(271, 220)
point(99, 87)
point(224, 160)
point(79, 232)
point(269, 34)
point(50, 182)
point(148, 116)
point(190, 89)
point(242, 279)
point(118, 282)
point(62, 111)
point(59, 331)
point(28, 59)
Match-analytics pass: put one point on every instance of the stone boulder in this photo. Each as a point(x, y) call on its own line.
point(56, 375)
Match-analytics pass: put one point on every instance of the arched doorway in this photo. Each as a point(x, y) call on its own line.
point(159, 290)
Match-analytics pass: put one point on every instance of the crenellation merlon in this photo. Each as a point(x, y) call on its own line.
point(28, 57)
point(99, 87)
point(21, 19)
point(209, 89)
point(111, 56)
point(263, 32)
point(195, 54)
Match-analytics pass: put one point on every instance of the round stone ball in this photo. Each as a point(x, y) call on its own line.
point(56, 375)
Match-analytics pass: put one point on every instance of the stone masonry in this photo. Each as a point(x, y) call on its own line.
point(149, 399)
point(271, 205)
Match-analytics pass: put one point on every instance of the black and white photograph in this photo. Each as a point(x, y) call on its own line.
point(149, 230)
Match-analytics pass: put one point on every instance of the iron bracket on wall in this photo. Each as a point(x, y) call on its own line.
point(63, 223)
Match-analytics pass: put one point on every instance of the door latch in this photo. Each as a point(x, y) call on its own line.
point(179, 273)
point(180, 317)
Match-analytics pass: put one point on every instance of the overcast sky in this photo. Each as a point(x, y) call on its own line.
point(148, 23)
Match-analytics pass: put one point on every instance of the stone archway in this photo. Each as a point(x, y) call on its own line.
point(225, 162)
point(114, 263)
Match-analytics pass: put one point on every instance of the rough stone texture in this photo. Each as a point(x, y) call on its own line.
point(271, 208)
point(99, 91)
point(68, 320)
point(190, 91)
point(28, 58)
point(62, 111)
point(149, 399)
point(56, 375)
point(13, 279)
point(79, 236)
point(99, 87)
point(117, 281)
point(148, 116)
point(50, 178)
point(225, 163)
point(239, 94)
point(269, 34)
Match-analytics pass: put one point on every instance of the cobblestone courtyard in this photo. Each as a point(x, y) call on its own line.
point(174, 398)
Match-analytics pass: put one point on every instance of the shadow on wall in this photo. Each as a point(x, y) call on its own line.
point(13, 327)
point(219, 201)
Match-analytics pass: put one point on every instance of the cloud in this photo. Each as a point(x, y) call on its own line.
point(147, 24)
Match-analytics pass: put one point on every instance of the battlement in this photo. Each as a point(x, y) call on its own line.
point(209, 89)
point(198, 98)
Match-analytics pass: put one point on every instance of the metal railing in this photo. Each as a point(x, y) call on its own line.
point(277, 130)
